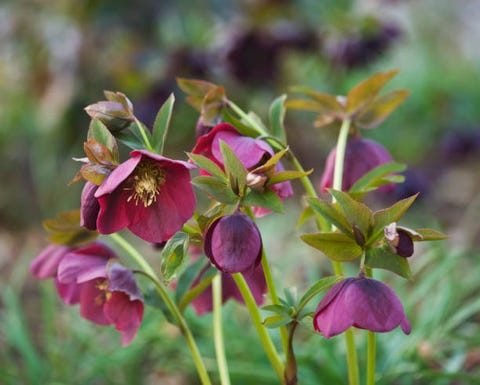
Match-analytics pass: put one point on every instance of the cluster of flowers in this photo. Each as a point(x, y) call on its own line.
point(153, 197)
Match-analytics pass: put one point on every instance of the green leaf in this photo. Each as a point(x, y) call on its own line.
point(187, 277)
point(162, 122)
point(431, 235)
point(319, 286)
point(141, 132)
point(101, 134)
point(173, 255)
point(129, 140)
point(213, 105)
point(216, 189)
point(332, 214)
point(276, 321)
point(239, 125)
point(196, 89)
point(377, 111)
point(234, 169)
point(365, 92)
point(305, 105)
point(153, 298)
point(356, 212)
point(326, 103)
point(391, 214)
point(384, 258)
point(66, 229)
point(283, 176)
point(336, 246)
point(267, 199)
point(208, 165)
point(376, 177)
point(279, 309)
point(306, 214)
point(276, 118)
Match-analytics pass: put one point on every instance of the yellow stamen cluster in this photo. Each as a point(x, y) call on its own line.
point(102, 285)
point(145, 182)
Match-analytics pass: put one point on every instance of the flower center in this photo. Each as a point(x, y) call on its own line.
point(100, 299)
point(145, 183)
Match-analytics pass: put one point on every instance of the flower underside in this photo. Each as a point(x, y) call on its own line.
point(145, 183)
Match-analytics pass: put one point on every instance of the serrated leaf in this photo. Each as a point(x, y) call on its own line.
point(101, 134)
point(356, 212)
point(384, 217)
point(217, 189)
point(319, 286)
point(208, 165)
point(332, 214)
point(431, 235)
point(377, 111)
point(336, 246)
point(234, 169)
point(66, 229)
point(276, 321)
point(365, 92)
point(161, 125)
point(376, 176)
point(173, 255)
point(384, 258)
point(276, 118)
point(267, 199)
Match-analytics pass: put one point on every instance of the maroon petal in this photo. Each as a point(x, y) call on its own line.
point(89, 207)
point(117, 176)
point(68, 292)
point(46, 263)
point(125, 314)
point(92, 300)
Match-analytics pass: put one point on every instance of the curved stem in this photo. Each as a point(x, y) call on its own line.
point(218, 330)
point(340, 154)
point(173, 309)
point(265, 339)
point(247, 118)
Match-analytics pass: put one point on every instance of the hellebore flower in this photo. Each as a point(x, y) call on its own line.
point(149, 194)
point(233, 243)
point(361, 156)
point(108, 293)
point(89, 206)
point(255, 278)
point(364, 303)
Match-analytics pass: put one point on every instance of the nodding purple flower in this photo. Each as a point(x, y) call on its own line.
point(362, 302)
point(149, 194)
point(361, 156)
point(400, 239)
point(233, 243)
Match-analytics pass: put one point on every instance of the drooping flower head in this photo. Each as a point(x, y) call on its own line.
point(364, 303)
point(361, 156)
point(107, 291)
point(149, 194)
point(233, 243)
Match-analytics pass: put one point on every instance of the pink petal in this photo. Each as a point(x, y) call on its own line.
point(46, 263)
point(68, 292)
point(92, 301)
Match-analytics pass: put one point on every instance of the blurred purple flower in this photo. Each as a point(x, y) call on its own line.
point(361, 156)
point(89, 206)
point(233, 243)
point(362, 302)
point(149, 194)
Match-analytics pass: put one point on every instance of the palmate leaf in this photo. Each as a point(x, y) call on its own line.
point(336, 246)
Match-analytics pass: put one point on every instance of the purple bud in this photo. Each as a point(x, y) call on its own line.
point(233, 243)
point(89, 207)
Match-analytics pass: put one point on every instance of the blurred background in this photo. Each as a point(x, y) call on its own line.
point(57, 57)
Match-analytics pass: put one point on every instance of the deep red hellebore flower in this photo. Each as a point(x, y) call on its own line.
point(233, 243)
point(108, 293)
point(361, 156)
point(364, 303)
point(149, 194)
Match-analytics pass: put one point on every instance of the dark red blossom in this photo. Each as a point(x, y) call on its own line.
point(233, 243)
point(149, 194)
point(362, 302)
point(361, 156)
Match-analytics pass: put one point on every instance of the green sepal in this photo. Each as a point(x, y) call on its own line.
point(276, 118)
point(336, 246)
point(208, 165)
point(173, 255)
point(384, 258)
point(333, 215)
point(217, 189)
point(66, 230)
point(356, 212)
point(378, 176)
point(161, 125)
point(234, 169)
point(267, 199)
point(101, 134)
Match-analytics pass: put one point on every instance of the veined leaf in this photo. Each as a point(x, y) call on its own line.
point(208, 165)
point(217, 189)
point(173, 255)
point(384, 258)
point(267, 199)
point(332, 214)
point(336, 246)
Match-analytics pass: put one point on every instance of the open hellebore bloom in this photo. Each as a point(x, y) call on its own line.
point(362, 302)
point(251, 152)
point(255, 280)
point(149, 194)
point(108, 292)
point(361, 156)
point(233, 243)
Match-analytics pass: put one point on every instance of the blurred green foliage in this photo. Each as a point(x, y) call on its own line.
point(57, 56)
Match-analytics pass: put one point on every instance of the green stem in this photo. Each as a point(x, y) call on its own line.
point(265, 339)
point(149, 272)
point(340, 154)
point(352, 359)
point(247, 118)
point(371, 346)
point(218, 330)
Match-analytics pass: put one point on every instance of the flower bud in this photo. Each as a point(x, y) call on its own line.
point(400, 239)
point(116, 113)
point(233, 243)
